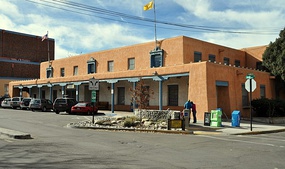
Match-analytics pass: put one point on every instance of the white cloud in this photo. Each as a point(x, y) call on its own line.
point(75, 33)
point(259, 17)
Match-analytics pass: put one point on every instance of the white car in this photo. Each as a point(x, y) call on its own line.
point(6, 103)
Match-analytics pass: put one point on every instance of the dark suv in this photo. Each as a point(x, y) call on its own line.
point(63, 105)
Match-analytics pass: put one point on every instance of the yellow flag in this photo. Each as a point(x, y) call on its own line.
point(148, 6)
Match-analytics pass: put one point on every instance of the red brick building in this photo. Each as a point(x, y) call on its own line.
point(21, 55)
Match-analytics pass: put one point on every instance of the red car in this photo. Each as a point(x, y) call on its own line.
point(84, 107)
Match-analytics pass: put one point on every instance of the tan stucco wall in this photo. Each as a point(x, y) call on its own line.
point(199, 87)
point(3, 82)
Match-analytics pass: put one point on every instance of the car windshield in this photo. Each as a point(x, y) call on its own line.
point(15, 99)
point(36, 101)
point(60, 101)
point(81, 104)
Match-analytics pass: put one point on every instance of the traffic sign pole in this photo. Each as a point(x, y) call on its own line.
point(93, 100)
point(250, 86)
point(250, 98)
point(93, 86)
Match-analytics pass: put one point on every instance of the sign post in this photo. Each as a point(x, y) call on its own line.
point(250, 86)
point(93, 86)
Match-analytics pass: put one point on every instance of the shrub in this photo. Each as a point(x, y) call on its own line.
point(130, 121)
point(268, 107)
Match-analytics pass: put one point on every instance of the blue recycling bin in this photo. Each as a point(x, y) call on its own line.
point(236, 118)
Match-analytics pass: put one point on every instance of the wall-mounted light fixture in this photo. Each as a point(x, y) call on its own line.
point(155, 73)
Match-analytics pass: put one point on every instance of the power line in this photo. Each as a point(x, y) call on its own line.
point(116, 16)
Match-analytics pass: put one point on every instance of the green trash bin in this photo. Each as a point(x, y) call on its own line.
point(216, 118)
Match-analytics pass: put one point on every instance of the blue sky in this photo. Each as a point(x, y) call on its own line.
point(106, 24)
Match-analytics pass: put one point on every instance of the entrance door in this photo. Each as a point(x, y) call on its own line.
point(172, 95)
point(71, 93)
point(54, 95)
point(223, 100)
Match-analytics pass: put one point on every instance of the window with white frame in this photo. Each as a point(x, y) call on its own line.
point(75, 70)
point(91, 66)
point(110, 66)
point(61, 72)
point(131, 63)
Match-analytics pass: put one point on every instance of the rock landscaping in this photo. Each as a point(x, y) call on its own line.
point(143, 120)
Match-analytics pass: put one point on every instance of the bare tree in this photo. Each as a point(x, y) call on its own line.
point(141, 95)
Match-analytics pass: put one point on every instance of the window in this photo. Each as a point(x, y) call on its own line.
point(212, 58)
point(49, 72)
point(156, 61)
point(245, 100)
point(75, 70)
point(110, 66)
point(226, 61)
point(262, 91)
point(156, 58)
point(197, 56)
point(91, 66)
point(259, 66)
point(6, 89)
point(172, 95)
point(131, 63)
point(61, 72)
point(237, 63)
point(121, 96)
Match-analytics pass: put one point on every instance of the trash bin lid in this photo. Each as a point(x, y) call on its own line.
point(236, 112)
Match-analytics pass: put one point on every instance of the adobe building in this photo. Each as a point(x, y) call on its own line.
point(20, 57)
point(177, 70)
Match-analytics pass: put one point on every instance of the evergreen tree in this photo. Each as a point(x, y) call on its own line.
point(274, 56)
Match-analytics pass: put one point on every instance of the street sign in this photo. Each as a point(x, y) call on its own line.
point(250, 76)
point(253, 85)
point(93, 84)
point(93, 96)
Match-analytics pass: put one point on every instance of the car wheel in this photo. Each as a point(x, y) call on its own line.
point(44, 109)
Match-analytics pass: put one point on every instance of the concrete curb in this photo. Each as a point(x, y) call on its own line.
point(14, 134)
point(187, 131)
point(135, 130)
point(260, 132)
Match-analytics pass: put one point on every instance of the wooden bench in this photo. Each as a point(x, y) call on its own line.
point(103, 105)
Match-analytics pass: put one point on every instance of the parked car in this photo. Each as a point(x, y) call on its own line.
point(15, 102)
point(63, 105)
point(3, 97)
point(24, 104)
point(41, 104)
point(84, 107)
point(6, 103)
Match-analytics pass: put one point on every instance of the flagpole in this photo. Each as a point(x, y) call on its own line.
point(155, 38)
point(48, 49)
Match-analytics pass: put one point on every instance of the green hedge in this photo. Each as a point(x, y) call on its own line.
point(268, 107)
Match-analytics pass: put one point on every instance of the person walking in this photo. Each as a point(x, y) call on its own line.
point(188, 105)
point(194, 112)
